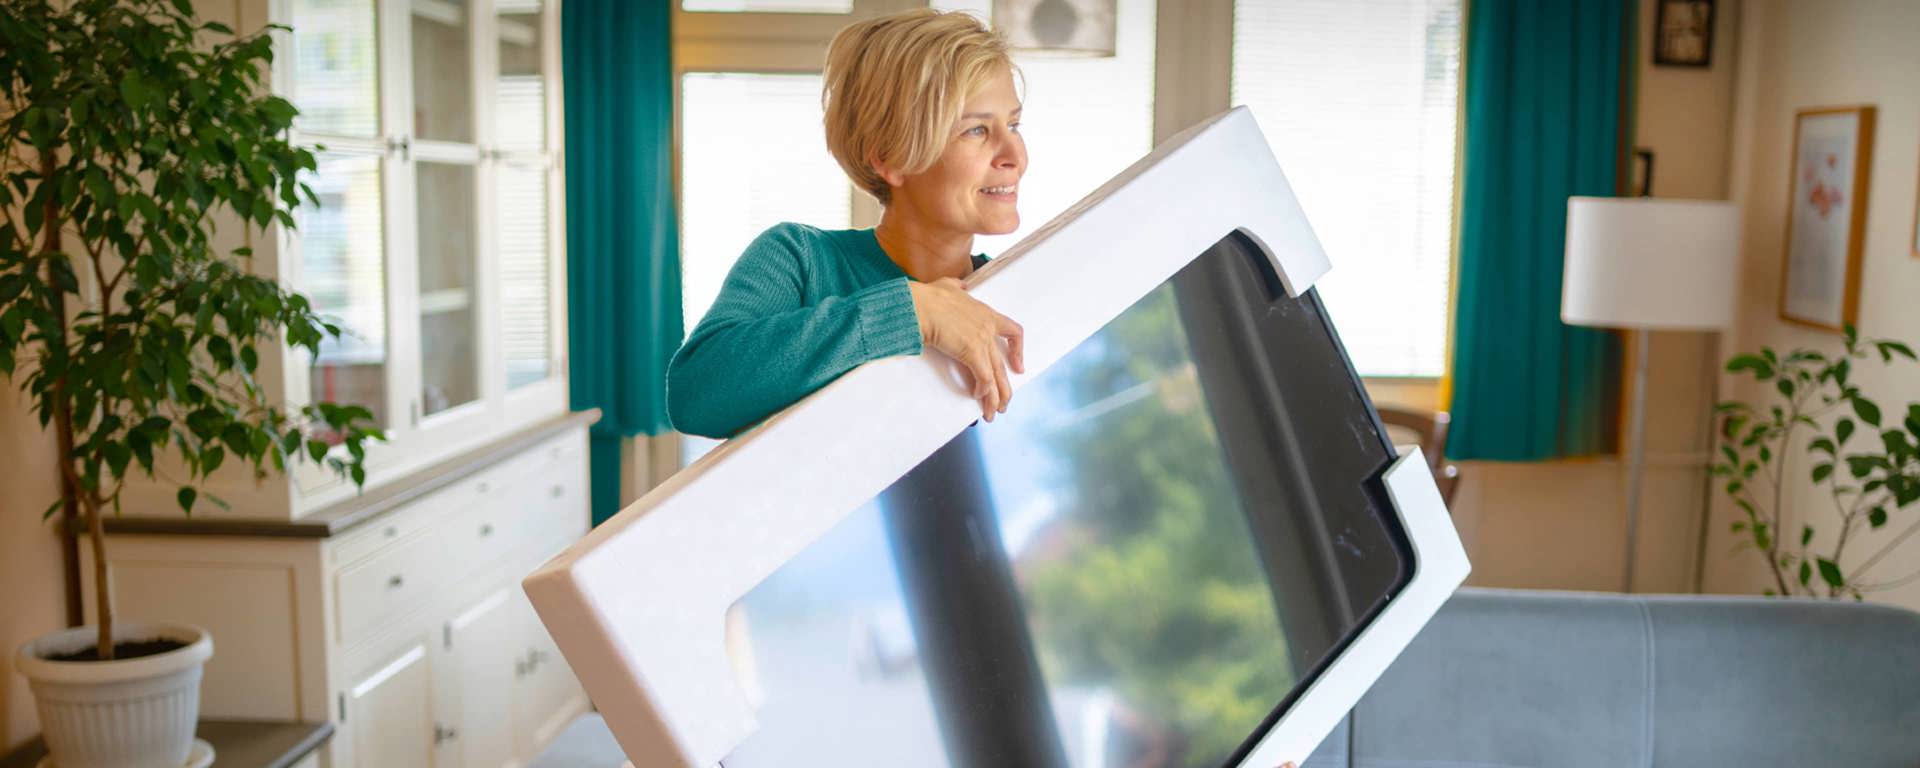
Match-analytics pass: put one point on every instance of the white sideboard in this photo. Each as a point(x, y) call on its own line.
point(397, 616)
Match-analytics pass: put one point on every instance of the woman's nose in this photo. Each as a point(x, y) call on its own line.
point(1012, 154)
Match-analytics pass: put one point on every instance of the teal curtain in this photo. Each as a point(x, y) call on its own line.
point(623, 247)
point(1544, 81)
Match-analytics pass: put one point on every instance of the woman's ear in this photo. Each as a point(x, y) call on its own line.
point(892, 176)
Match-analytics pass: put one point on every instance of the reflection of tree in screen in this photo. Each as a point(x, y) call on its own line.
point(1149, 582)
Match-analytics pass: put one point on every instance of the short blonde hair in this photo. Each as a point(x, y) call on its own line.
point(895, 85)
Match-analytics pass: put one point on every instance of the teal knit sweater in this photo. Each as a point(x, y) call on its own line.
point(800, 307)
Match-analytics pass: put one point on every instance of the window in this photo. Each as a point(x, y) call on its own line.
point(768, 6)
point(753, 152)
point(754, 155)
point(1084, 119)
point(1359, 101)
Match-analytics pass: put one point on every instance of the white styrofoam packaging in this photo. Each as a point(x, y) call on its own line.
point(638, 606)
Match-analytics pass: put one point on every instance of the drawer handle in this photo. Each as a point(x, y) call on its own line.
point(558, 491)
point(486, 529)
point(394, 581)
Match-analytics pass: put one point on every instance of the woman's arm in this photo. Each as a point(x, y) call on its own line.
point(760, 349)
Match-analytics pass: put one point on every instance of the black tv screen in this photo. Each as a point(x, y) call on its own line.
point(1141, 563)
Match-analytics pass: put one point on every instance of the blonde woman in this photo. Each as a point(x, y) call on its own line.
point(922, 114)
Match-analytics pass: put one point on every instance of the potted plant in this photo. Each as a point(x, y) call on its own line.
point(127, 126)
point(1866, 459)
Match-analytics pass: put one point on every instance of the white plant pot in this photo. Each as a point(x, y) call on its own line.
point(126, 713)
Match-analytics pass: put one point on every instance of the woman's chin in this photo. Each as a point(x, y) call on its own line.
point(1002, 225)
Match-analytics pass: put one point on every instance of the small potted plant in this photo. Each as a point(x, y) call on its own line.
point(1866, 458)
point(127, 126)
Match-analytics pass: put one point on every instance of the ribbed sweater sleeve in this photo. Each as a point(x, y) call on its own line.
point(762, 346)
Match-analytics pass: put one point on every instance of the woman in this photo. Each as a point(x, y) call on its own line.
point(921, 113)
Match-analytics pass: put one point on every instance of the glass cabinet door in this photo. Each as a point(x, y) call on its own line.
point(341, 242)
point(523, 178)
point(520, 87)
point(343, 272)
point(441, 36)
point(448, 300)
point(336, 80)
point(526, 289)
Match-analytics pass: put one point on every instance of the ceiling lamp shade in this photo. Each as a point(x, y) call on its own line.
point(1641, 262)
point(1070, 27)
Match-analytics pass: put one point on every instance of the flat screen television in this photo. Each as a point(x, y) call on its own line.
point(1189, 542)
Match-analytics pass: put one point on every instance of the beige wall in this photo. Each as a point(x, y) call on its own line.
point(1562, 525)
point(32, 600)
point(1801, 55)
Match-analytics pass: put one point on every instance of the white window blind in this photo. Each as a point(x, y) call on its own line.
point(1359, 100)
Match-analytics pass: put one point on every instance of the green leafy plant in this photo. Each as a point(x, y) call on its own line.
point(1868, 462)
point(126, 127)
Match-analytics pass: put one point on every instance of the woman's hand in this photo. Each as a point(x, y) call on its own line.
point(969, 332)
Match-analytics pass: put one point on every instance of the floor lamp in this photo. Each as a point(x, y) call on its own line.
point(1645, 264)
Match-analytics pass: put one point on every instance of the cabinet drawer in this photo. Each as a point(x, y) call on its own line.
point(372, 592)
point(553, 507)
point(479, 537)
point(421, 514)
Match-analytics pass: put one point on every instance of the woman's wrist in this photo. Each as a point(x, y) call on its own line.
point(918, 293)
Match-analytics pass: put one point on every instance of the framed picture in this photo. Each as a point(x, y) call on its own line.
point(1916, 232)
point(1683, 33)
point(1826, 216)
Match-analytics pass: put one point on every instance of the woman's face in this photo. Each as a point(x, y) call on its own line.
point(975, 185)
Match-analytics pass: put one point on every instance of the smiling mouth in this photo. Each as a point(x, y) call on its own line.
point(1006, 191)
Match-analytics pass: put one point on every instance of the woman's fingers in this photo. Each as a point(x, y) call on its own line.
point(1016, 343)
point(985, 387)
point(1005, 391)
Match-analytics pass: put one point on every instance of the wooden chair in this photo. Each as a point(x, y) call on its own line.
point(1430, 427)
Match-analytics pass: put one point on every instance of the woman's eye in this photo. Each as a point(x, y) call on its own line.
point(1015, 127)
point(978, 130)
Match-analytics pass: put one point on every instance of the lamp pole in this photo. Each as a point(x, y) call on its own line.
point(1636, 452)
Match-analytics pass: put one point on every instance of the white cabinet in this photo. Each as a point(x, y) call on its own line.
point(481, 646)
point(391, 707)
point(440, 122)
point(437, 241)
point(403, 623)
point(394, 611)
point(545, 685)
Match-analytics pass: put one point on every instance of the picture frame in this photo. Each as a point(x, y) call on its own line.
point(1826, 216)
point(1683, 33)
point(1914, 241)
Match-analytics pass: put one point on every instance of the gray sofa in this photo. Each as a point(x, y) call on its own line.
point(1504, 679)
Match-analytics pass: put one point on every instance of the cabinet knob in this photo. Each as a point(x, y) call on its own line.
point(392, 531)
point(558, 491)
point(442, 734)
point(486, 529)
point(394, 581)
point(483, 486)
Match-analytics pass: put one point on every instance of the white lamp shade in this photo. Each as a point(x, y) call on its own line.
point(1641, 262)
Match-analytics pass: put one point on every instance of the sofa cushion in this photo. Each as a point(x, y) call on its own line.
point(1511, 679)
